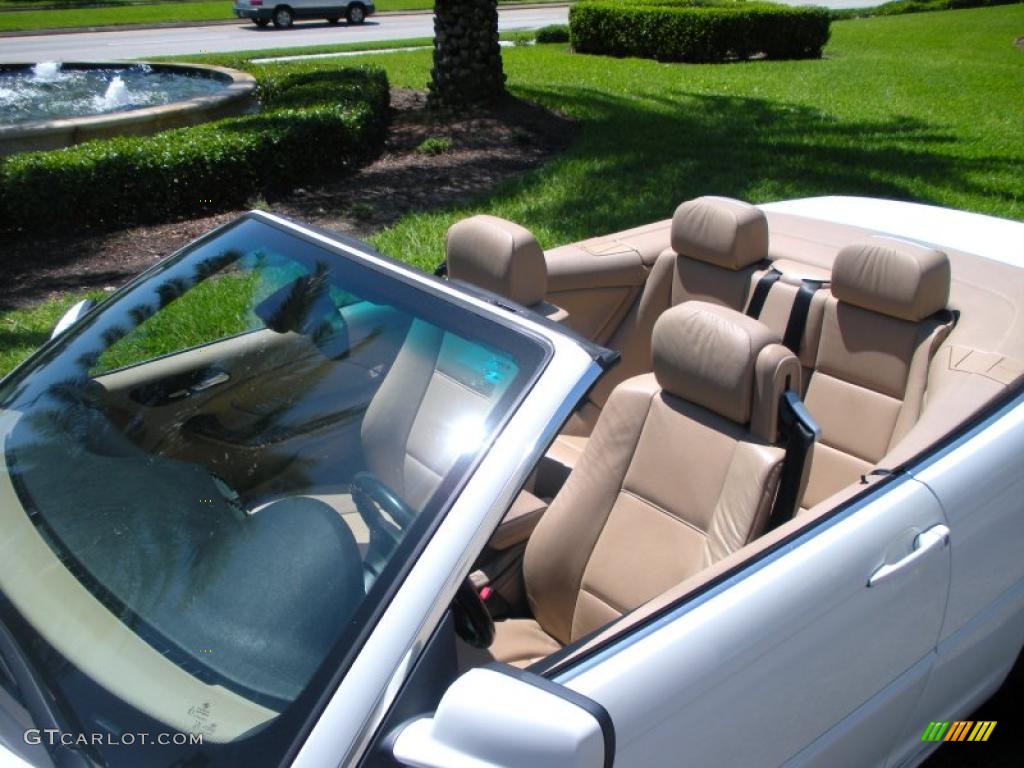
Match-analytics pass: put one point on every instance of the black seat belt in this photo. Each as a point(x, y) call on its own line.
point(760, 295)
point(798, 314)
point(799, 431)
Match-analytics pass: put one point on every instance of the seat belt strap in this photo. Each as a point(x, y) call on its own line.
point(760, 295)
point(799, 432)
point(798, 314)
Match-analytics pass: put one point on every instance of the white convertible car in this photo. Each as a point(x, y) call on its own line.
point(739, 488)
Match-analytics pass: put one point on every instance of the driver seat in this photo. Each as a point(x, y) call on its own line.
point(681, 470)
point(407, 438)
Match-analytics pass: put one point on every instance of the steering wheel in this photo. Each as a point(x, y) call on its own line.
point(473, 622)
point(371, 496)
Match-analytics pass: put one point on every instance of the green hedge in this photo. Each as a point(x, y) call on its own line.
point(314, 125)
point(553, 33)
point(689, 30)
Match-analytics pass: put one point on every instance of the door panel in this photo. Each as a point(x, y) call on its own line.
point(971, 665)
point(864, 737)
point(981, 488)
point(775, 661)
point(232, 405)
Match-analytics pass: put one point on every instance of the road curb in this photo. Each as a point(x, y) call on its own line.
point(225, 22)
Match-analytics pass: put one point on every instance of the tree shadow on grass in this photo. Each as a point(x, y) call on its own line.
point(22, 337)
point(639, 157)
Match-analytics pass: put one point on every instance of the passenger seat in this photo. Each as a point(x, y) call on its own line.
point(681, 470)
point(882, 325)
point(718, 249)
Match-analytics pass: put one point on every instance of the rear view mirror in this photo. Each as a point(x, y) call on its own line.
point(497, 715)
point(72, 316)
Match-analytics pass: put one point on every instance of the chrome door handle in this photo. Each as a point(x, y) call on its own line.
point(934, 538)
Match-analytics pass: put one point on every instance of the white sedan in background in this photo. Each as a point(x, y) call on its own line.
point(742, 487)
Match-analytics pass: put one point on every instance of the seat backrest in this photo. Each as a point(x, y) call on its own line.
point(717, 246)
point(882, 324)
point(406, 441)
point(681, 469)
point(503, 258)
point(789, 297)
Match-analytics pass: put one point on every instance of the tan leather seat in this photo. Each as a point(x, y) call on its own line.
point(718, 246)
point(503, 258)
point(800, 330)
point(407, 441)
point(881, 326)
point(681, 470)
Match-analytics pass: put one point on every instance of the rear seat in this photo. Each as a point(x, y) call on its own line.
point(789, 297)
point(864, 345)
point(718, 254)
point(717, 248)
point(883, 322)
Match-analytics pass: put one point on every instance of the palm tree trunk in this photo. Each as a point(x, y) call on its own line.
point(467, 58)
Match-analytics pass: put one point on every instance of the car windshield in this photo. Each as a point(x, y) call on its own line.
point(211, 485)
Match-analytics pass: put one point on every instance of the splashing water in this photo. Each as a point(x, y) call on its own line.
point(51, 90)
point(116, 95)
point(46, 71)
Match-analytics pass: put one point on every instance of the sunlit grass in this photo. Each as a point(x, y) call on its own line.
point(23, 331)
point(923, 107)
point(216, 308)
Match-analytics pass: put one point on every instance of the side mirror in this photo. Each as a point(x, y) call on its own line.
point(498, 715)
point(72, 316)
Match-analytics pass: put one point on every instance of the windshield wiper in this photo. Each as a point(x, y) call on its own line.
point(37, 699)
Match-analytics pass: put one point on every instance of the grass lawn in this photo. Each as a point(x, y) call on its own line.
point(160, 13)
point(23, 331)
point(921, 107)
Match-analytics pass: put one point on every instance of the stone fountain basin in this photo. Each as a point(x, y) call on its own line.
point(235, 98)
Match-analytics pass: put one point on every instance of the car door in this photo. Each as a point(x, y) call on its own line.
point(796, 660)
point(979, 483)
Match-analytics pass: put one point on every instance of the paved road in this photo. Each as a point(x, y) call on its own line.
point(217, 38)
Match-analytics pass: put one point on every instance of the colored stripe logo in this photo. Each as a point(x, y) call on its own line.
point(960, 730)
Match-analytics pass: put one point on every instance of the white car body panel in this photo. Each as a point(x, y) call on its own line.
point(756, 672)
point(981, 487)
point(988, 236)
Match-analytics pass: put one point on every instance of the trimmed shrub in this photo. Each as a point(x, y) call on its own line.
point(314, 126)
point(553, 33)
point(688, 30)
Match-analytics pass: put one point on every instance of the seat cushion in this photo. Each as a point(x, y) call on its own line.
point(521, 642)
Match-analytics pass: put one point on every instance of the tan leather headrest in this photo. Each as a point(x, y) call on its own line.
point(497, 255)
point(721, 231)
point(724, 361)
point(892, 277)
